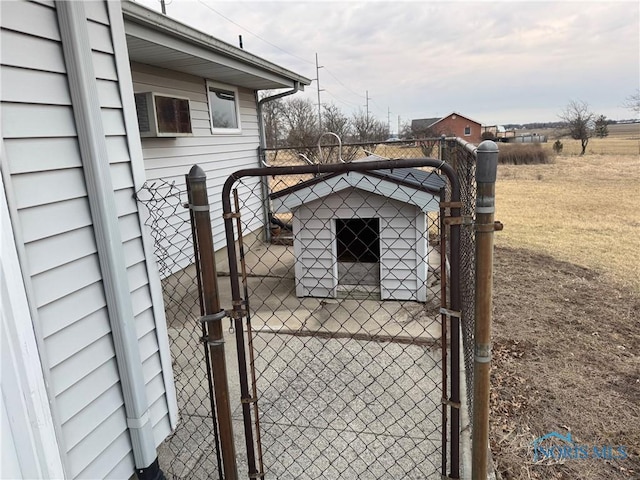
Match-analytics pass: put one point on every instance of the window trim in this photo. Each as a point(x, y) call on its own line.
point(468, 127)
point(222, 86)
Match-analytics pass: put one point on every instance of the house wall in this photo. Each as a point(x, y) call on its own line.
point(54, 230)
point(455, 127)
point(403, 244)
point(219, 155)
point(27, 435)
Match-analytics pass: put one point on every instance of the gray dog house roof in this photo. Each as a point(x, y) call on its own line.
point(410, 185)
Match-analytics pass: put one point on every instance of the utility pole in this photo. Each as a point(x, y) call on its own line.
point(389, 120)
point(398, 126)
point(163, 7)
point(318, 67)
point(367, 106)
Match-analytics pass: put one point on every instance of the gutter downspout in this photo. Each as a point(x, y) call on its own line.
point(266, 210)
point(74, 33)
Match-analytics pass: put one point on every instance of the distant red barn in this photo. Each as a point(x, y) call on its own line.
point(453, 125)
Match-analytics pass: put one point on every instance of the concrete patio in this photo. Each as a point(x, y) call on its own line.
point(347, 388)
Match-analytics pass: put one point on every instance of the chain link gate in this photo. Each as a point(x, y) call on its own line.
point(348, 331)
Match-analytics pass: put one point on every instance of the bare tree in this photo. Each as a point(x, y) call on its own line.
point(367, 128)
point(333, 120)
point(579, 122)
point(273, 122)
point(601, 126)
point(405, 131)
point(301, 122)
point(632, 102)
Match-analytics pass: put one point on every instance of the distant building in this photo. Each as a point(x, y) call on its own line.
point(452, 125)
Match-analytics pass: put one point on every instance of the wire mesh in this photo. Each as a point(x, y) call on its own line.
point(359, 398)
point(192, 450)
point(456, 152)
point(346, 325)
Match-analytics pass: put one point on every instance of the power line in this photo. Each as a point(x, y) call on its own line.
point(340, 82)
point(254, 34)
point(351, 104)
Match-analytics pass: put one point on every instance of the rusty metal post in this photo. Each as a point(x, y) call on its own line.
point(213, 315)
point(486, 170)
point(203, 326)
point(443, 322)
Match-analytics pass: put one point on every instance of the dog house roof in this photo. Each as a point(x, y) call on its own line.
point(409, 185)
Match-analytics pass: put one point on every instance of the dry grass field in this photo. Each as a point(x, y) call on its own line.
point(623, 139)
point(566, 308)
point(585, 210)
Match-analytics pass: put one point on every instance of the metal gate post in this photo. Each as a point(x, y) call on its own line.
point(486, 169)
point(213, 315)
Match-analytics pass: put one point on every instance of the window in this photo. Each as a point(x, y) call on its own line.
point(467, 131)
point(223, 108)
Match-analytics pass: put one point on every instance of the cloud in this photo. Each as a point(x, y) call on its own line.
point(429, 58)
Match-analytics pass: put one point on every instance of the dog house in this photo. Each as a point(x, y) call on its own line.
point(362, 231)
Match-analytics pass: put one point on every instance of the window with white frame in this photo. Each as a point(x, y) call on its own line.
point(224, 108)
point(467, 131)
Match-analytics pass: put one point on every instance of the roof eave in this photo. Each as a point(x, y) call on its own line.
point(323, 178)
point(146, 25)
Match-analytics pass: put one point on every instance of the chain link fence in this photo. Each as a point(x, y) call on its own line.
point(193, 450)
point(341, 394)
point(456, 152)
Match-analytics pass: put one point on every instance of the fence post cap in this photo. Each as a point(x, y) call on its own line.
point(487, 162)
point(488, 146)
point(196, 173)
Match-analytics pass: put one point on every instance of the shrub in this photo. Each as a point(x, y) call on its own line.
point(557, 146)
point(523, 154)
point(488, 135)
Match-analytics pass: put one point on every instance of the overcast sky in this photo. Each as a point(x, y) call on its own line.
point(495, 62)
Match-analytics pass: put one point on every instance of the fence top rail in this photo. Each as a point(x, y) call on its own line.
point(390, 164)
point(357, 144)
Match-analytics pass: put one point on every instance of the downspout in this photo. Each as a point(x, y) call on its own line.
point(266, 210)
point(95, 164)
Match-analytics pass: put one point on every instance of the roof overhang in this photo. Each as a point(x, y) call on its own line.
point(158, 40)
point(290, 199)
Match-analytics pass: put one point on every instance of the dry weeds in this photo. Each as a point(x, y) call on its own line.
point(566, 358)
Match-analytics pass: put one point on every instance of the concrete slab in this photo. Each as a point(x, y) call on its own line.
point(341, 408)
point(347, 388)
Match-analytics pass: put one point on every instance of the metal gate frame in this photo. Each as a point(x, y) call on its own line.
point(450, 309)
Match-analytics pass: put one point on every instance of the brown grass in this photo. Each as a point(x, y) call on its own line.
point(566, 307)
point(585, 210)
point(623, 139)
point(565, 358)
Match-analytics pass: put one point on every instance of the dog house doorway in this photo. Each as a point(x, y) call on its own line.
point(358, 254)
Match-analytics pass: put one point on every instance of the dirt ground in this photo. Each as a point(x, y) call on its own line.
point(566, 359)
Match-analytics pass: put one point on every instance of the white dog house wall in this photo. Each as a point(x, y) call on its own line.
point(362, 230)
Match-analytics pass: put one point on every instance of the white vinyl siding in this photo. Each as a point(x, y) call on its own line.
point(48, 196)
point(30, 448)
point(131, 233)
point(403, 241)
point(218, 155)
